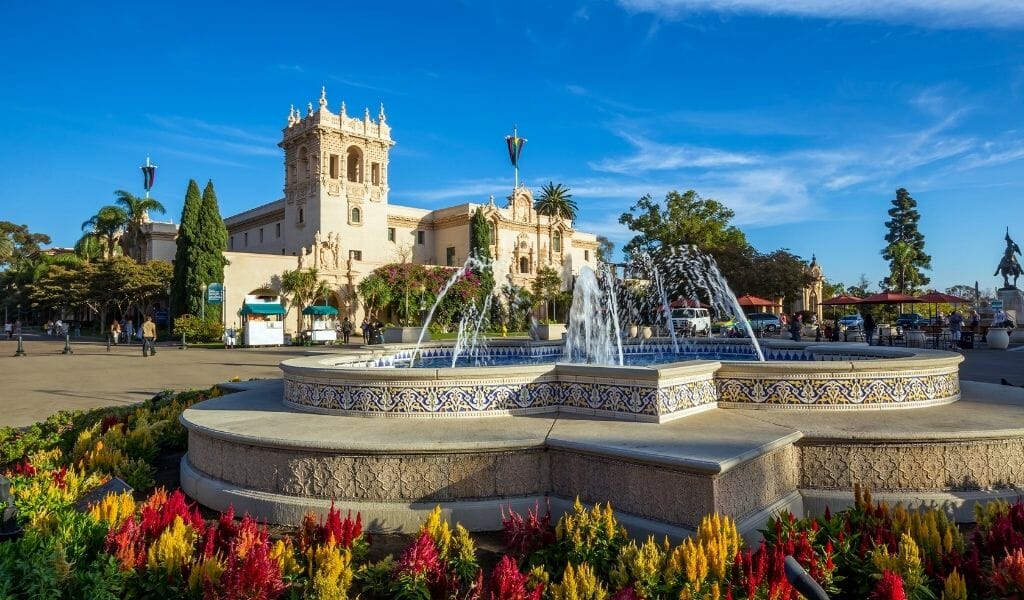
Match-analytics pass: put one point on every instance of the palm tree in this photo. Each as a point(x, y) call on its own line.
point(89, 247)
point(555, 201)
point(137, 211)
point(107, 225)
point(303, 288)
point(903, 255)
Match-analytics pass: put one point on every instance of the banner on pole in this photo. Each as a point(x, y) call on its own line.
point(515, 148)
point(148, 175)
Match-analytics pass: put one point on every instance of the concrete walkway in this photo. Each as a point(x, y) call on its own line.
point(46, 381)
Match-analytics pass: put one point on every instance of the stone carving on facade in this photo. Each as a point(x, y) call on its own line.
point(317, 241)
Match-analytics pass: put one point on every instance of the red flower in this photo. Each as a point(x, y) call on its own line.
point(889, 588)
point(420, 558)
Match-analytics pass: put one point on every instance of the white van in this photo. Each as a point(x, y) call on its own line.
point(691, 321)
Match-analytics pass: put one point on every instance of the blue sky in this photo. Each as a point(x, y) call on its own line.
point(804, 116)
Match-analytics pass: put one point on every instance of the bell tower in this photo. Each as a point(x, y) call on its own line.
point(336, 174)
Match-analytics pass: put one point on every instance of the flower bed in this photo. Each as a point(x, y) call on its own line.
point(159, 545)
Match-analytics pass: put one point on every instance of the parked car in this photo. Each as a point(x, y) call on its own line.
point(911, 321)
point(851, 322)
point(691, 321)
point(765, 321)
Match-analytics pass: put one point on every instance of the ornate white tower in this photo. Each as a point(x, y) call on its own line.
point(336, 174)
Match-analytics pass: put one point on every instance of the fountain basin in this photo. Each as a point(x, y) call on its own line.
point(816, 376)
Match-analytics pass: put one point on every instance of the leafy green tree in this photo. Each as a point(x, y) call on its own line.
point(136, 210)
point(107, 225)
point(779, 273)
point(6, 248)
point(605, 249)
point(303, 288)
point(211, 242)
point(480, 246)
point(185, 285)
point(24, 244)
point(684, 219)
point(554, 201)
point(376, 294)
point(963, 291)
point(905, 249)
point(547, 288)
point(862, 288)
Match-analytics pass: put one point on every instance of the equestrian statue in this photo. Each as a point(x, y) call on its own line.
point(1009, 264)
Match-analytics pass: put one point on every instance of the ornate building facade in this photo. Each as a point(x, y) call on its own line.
point(336, 216)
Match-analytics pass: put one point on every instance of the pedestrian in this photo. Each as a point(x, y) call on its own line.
point(129, 330)
point(975, 321)
point(346, 330)
point(956, 322)
point(378, 331)
point(869, 327)
point(999, 319)
point(149, 337)
point(115, 331)
point(365, 327)
point(9, 330)
point(794, 328)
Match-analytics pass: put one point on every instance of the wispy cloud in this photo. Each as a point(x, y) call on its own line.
point(197, 138)
point(654, 156)
point(600, 101)
point(201, 157)
point(366, 86)
point(999, 14)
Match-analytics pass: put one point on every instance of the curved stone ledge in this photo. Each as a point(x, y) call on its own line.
point(818, 376)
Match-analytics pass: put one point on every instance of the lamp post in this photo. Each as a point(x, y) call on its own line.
point(202, 306)
point(169, 318)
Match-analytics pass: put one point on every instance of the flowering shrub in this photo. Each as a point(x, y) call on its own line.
point(403, 287)
point(161, 546)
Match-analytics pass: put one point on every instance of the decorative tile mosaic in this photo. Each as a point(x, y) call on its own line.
point(834, 389)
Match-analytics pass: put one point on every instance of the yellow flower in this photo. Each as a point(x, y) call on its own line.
point(955, 587)
point(578, 583)
point(173, 549)
point(284, 554)
point(330, 571)
point(208, 569)
point(113, 508)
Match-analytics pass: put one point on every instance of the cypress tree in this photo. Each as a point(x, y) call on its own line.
point(905, 249)
point(210, 244)
point(480, 247)
point(184, 294)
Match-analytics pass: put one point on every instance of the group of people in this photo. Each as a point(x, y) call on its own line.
point(125, 331)
point(373, 331)
point(12, 329)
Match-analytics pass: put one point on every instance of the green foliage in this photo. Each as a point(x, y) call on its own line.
point(555, 201)
point(605, 249)
point(304, 288)
point(685, 219)
point(107, 225)
point(212, 241)
point(403, 288)
point(135, 209)
point(547, 289)
point(480, 247)
point(22, 243)
point(905, 249)
point(185, 288)
point(197, 330)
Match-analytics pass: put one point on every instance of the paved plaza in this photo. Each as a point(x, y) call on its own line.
point(46, 381)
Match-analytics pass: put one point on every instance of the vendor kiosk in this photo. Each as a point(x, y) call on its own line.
point(263, 322)
point(323, 330)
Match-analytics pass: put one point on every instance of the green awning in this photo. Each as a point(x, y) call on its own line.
point(320, 310)
point(263, 308)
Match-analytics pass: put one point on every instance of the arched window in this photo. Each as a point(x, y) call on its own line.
point(524, 265)
point(357, 215)
point(304, 162)
point(494, 233)
point(354, 162)
point(556, 242)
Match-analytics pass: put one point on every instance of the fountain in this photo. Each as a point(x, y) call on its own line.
point(667, 429)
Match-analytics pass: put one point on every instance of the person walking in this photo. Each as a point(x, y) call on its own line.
point(9, 330)
point(365, 327)
point(975, 321)
point(149, 337)
point(378, 332)
point(346, 330)
point(115, 331)
point(956, 323)
point(794, 328)
point(869, 328)
point(129, 330)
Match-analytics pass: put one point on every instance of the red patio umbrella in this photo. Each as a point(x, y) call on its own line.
point(889, 298)
point(936, 298)
point(842, 300)
point(940, 298)
point(748, 300)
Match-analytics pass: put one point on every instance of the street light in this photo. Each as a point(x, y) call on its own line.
point(202, 306)
point(168, 290)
